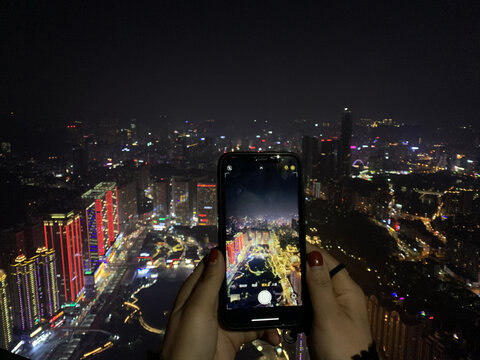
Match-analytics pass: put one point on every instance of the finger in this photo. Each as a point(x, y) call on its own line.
point(188, 286)
point(348, 294)
point(322, 297)
point(272, 337)
point(204, 296)
point(342, 280)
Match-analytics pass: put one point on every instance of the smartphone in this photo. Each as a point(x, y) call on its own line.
point(261, 234)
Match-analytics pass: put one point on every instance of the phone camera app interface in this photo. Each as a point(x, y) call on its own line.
point(262, 233)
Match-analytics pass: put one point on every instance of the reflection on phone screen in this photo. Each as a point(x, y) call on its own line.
point(262, 233)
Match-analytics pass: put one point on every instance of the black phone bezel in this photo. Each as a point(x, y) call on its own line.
point(241, 319)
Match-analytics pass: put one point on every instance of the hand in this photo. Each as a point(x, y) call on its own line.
point(340, 326)
point(193, 331)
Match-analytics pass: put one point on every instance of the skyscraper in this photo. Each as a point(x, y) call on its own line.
point(101, 215)
point(49, 299)
point(344, 163)
point(207, 204)
point(127, 206)
point(63, 233)
point(181, 201)
point(95, 230)
point(310, 154)
point(110, 219)
point(6, 325)
point(327, 158)
point(160, 197)
point(24, 291)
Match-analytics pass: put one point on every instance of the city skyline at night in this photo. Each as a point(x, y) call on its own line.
point(114, 118)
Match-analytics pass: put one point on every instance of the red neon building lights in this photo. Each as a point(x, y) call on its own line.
point(206, 185)
point(101, 221)
point(63, 262)
point(45, 234)
point(67, 243)
point(69, 262)
point(99, 216)
point(231, 252)
point(111, 231)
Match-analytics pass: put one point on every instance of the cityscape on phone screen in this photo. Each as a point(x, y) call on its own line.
point(262, 233)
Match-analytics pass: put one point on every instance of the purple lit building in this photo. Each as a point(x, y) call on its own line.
point(34, 290)
point(24, 290)
point(48, 287)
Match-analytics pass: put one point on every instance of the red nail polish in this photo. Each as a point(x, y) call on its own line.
point(315, 258)
point(212, 257)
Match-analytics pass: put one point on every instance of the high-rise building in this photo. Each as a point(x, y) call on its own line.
point(160, 197)
point(6, 325)
point(320, 158)
point(230, 253)
point(238, 240)
point(24, 290)
point(181, 201)
point(207, 204)
point(111, 210)
point(127, 207)
point(345, 155)
point(63, 234)
point(101, 214)
point(327, 158)
point(397, 334)
point(96, 232)
point(310, 154)
point(49, 298)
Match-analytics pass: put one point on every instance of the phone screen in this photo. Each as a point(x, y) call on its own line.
point(263, 265)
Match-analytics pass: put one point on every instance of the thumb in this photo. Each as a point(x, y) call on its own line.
point(323, 299)
point(204, 296)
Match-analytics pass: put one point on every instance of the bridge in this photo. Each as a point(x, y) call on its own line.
point(82, 329)
point(429, 192)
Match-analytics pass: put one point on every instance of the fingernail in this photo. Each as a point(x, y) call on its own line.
point(315, 259)
point(213, 256)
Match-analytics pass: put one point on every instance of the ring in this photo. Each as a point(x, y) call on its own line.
point(336, 269)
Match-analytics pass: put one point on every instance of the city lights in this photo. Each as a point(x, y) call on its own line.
point(113, 122)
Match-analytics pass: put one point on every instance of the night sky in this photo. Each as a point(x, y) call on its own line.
point(232, 61)
point(271, 192)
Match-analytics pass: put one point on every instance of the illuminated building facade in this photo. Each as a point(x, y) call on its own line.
point(6, 325)
point(48, 289)
point(160, 198)
point(101, 214)
point(127, 207)
point(207, 204)
point(95, 232)
point(110, 210)
point(63, 234)
point(181, 202)
point(238, 242)
point(231, 252)
point(24, 290)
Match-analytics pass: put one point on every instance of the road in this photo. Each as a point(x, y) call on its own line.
point(64, 344)
point(261, 275)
